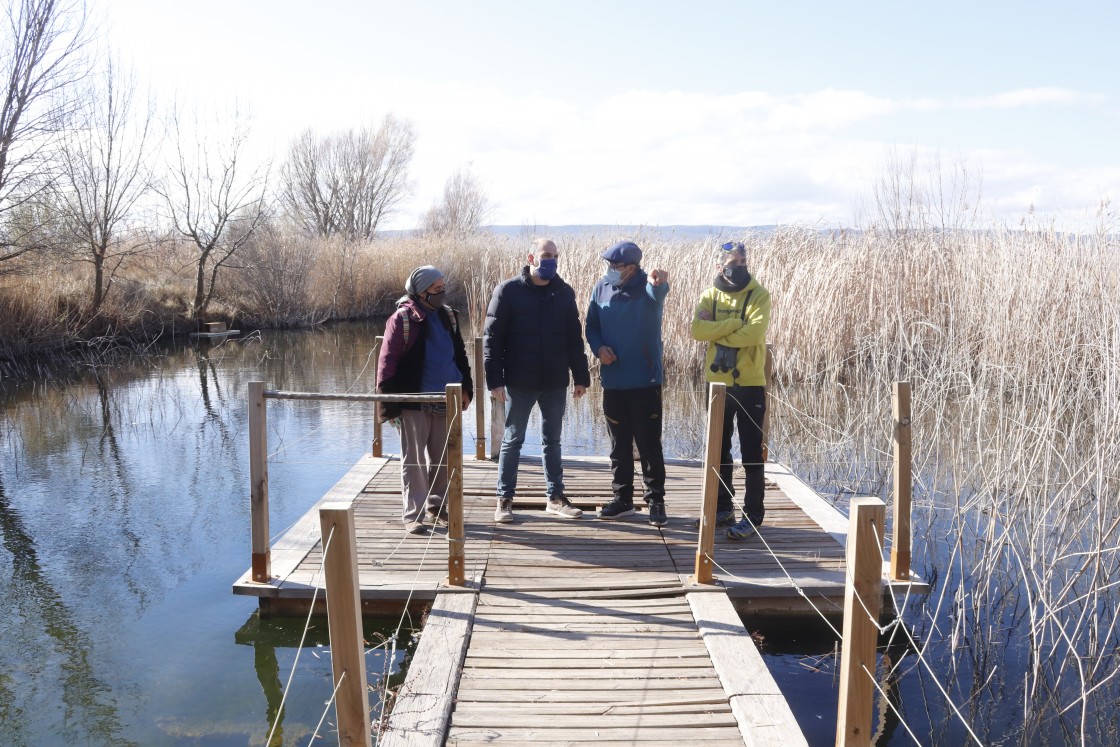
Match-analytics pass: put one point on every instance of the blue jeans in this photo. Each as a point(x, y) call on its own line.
point(519, 403)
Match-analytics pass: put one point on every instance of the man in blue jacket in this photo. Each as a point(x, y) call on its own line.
point(624, 331)
point(531, 341)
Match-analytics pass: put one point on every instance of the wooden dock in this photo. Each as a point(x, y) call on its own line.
point(805, 536)
point(578, 630)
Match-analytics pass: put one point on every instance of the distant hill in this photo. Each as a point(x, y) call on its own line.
point(659, 232)
point(693, 233)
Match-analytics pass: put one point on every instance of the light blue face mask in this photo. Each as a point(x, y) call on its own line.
point(546, 269)
point(613, 276)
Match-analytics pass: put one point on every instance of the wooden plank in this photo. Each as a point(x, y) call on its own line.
point(594, 735)
point(579, 684)
point(422, 710)
point(585, 709)
point(497, 718)
point(743, 673)
point(631, 698)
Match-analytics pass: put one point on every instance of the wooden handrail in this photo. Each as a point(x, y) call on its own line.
point(454, 496)
point(903, 484)
point(431, 398)
point(344, 621)
point(377, 448)
point(258, 482)
point(258, 398)
point(705, 548)
point(479, 400)
point(863, 599)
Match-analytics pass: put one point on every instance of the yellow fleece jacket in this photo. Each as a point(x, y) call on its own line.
point(736, 320)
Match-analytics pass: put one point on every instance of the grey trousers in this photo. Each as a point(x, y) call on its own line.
point(423, 462)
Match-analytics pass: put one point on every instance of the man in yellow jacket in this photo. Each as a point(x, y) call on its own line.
point(732, 317)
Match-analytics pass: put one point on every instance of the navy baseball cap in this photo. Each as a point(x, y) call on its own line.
point(624, 252)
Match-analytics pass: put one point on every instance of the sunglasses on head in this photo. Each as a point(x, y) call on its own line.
point(733, 246)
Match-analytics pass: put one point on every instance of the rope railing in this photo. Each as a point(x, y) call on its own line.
point(863, 573)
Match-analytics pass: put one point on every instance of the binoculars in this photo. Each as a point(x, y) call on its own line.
point(725, 360)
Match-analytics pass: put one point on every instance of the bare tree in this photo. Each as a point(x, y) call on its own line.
point(103, 163)
point(212, 199)
point(346, 183)
point(41, 57)
point(913, 193)
point(464, 209)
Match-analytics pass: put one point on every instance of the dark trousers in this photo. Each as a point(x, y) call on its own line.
point(634, 417)
point(745, 406)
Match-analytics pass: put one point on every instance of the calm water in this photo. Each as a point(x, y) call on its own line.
point(124, 520)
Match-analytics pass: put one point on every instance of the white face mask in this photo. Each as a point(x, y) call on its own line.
point(613, 276)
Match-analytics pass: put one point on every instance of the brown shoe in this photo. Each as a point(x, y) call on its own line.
point(438, 517)
point(415, 527)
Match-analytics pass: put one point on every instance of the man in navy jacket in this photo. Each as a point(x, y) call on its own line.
point(531, 341)
point(624, 332)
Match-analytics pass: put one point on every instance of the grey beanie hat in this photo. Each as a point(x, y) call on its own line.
point(421, 279)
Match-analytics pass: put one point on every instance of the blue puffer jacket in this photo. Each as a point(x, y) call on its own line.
point(532, 336)
point(627, 319)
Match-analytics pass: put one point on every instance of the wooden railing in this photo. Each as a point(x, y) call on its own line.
point(258, 468)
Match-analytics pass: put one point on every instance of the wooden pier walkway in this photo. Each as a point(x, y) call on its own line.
point(585, 630)
point(542, 552)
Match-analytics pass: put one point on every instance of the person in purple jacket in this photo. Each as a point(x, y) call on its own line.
point(422, 352)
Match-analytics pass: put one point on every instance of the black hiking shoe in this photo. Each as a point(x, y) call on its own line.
point(617, 508)
point(657, 515)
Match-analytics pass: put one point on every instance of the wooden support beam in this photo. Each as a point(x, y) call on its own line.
point(377, 449)
point(344, 621)
point(863, 598)
point(903, 484)
point(769, 370)
point(497, 427)
point(707, 539)
point(258, 482)
point(454, 497)
point(479, 402)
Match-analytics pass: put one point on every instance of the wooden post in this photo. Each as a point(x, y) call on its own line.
point(863, 597)
point(377, 448)
point(903, 484)
point(707, 541)
point(258, 482)
point(344, 621)
point(497, 427)
point(454, 495)
point(769, 370)
point(479, 399)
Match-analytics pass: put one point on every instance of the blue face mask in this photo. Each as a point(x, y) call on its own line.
point(613, 276)
point(546, 269)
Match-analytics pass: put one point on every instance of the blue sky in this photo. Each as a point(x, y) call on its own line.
point(738, 113)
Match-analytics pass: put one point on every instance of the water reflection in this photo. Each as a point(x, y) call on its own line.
point(270, 639)
point(88, 709)
point(124, 519)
